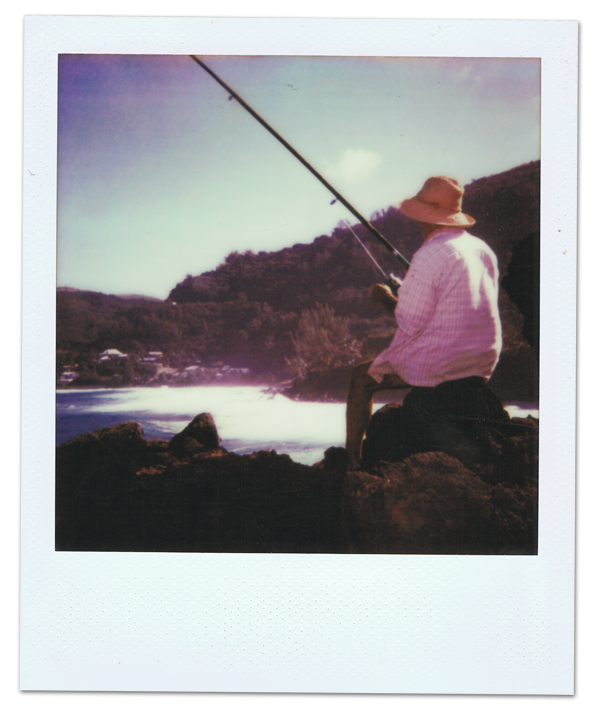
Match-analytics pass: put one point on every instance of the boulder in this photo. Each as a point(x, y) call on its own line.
point(105, 456)
point(432, 504)
point(463, 419)
point(93, 478)
point(199, 435)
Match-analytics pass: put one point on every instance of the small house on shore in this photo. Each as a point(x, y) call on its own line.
point(111, 354)
point(154, 357)
point(67, 377)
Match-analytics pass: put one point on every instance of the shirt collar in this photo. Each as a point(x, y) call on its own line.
point(442, 229)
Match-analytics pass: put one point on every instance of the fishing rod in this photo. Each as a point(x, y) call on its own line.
point(391, 280)
point(307, 165)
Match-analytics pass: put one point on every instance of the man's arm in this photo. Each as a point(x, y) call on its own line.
point(418, 294)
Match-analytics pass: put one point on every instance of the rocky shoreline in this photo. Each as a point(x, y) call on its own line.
point(464, 485)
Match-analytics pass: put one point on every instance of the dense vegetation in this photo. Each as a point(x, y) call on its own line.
point(255, 310)
point(301, 310)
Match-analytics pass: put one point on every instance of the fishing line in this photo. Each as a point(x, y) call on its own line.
point(391, 280)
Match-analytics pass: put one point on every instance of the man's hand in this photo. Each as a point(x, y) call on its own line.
point(383, 296)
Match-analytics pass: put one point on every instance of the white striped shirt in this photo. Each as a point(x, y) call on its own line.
point(447, 313)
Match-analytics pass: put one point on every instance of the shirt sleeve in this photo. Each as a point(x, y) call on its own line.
point(418, 296)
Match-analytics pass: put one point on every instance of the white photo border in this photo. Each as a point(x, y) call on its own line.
point(301, 623)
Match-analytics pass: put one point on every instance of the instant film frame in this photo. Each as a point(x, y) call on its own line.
point(296, 623)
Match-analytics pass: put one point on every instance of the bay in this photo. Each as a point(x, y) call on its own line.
point(248, 418)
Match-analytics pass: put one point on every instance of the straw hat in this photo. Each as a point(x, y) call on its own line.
point(438, 202)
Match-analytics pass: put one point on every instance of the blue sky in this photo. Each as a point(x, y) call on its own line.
point(160, 175)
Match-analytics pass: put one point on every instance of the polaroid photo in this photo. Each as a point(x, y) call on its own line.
point(299, 355)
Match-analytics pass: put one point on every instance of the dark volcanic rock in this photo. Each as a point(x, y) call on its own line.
point(199, 435)
point(459, 476)
point(102, 456)
point(506, 208)
point(432, 504)
point(463, 419)
point(455, 417)
point(93, 476)
point(522, 284)
point(262, 502)
point(139, 496)
point(116, 491)
point(121, 444)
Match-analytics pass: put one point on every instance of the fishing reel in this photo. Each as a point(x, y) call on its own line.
point(393, 282)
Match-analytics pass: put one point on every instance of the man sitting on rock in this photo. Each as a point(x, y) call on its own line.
point(446, 311)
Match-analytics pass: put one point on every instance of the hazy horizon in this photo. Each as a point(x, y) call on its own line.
point(161, 175)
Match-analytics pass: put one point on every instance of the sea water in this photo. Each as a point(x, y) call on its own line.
point(248, 418)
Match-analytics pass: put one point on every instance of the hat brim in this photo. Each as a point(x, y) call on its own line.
point(422, 212)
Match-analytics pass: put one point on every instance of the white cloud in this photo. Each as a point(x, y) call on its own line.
point(354, 166)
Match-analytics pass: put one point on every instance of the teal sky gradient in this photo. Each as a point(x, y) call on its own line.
point(160, 175)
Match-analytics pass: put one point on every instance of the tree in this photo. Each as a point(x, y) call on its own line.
point(322, 341)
